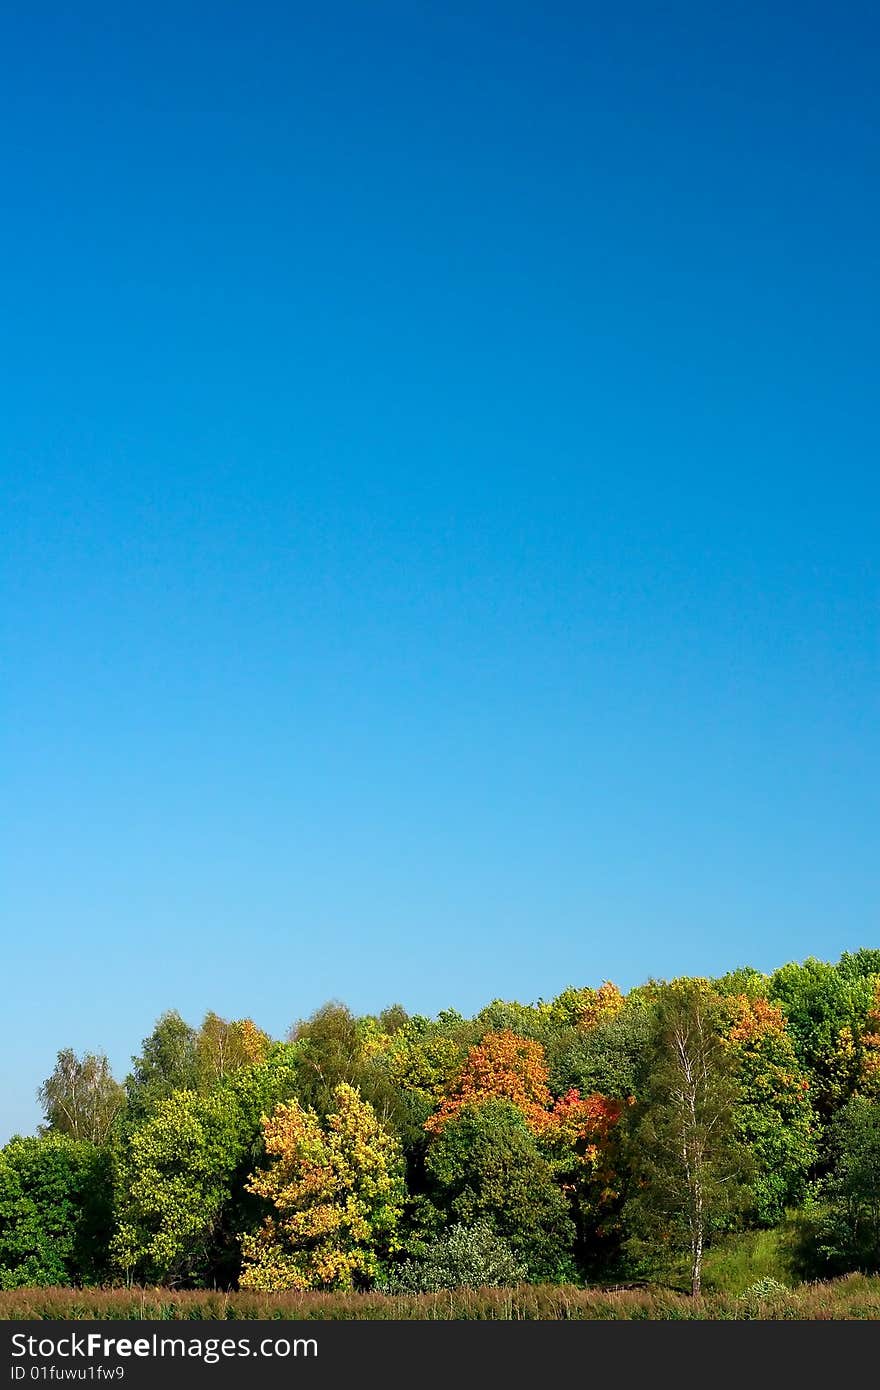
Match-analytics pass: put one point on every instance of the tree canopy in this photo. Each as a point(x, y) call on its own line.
point(596, 1134)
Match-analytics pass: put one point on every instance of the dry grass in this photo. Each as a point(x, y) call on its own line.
point(855, 1297)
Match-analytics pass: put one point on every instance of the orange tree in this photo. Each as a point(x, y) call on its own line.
point(504, 1066)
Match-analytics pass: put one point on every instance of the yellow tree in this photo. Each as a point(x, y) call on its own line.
point(337, 1194)
point(586, 1008)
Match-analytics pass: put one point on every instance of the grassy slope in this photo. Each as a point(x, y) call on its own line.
point(738, 1261)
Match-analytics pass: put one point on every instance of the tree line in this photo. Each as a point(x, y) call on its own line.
point(597, 1136)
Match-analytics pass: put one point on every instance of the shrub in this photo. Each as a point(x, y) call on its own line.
point(764, 1292)
point(465, 1257)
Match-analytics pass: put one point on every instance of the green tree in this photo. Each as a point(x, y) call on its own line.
point(55, 1211)
point(746, 980)
point(849, 1232)
point(174, 1179)
point(826, 1011)
point(424, 1056)
point(773, 1116)
point(334, 1047)
point(180, 1177)
point(526, 1020)
point(861, 964)
point(688, 1166)
point(607, 1058)
point(167, 1062)
point(329, 1051)
point(486, 1166)
point(336, 1193)
point(393, 1019)
point(81, 1098)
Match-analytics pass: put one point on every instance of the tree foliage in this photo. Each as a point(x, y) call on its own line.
point(773, 1115)
point(504, 1066)
point(849, 1231)
point(55, 1211)
point(605, 1057)
point(828, 1012)
point(336, 1193)
point(485, 1165)
point(180, 1176)
point(688, 1165)
point(177, 1057)
point(591, 1135)
point(166, 1063)
point(81, 1098)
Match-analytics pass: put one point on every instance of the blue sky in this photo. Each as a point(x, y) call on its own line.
point(440, 541)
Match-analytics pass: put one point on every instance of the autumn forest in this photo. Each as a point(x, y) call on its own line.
point(689, 1135)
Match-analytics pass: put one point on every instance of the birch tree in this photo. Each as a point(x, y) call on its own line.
point(81, 1098)
point(689, 1169)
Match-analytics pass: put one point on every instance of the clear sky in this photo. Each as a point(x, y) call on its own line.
point(440, 540)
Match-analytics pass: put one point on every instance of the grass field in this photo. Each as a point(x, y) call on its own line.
point(854, 1297)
